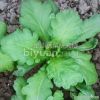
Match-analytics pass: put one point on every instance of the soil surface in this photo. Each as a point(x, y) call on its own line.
point(9, 12)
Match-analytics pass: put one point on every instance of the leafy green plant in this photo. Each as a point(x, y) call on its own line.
point(58, 38)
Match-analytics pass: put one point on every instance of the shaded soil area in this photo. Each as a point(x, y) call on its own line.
point(6, 82)
point(9, 12)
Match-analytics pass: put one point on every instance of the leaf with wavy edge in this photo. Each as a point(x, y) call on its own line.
point(73, 69)
point(66, 27)
point(22, 46)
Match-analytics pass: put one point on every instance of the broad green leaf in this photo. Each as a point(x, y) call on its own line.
point(58, 95)
point(76, 68)
point(87, 68)
point(22, 69)
point(22, 46)
point(6, 63)
point(91, 44)
point(38, 87)
point(66, 27)
point(3, 29)
point(60, 70)
point(90, 28)
point(35, 15)
point(19, 83)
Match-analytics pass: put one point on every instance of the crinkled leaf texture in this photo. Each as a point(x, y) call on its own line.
point(35, 15)
point(71, 70)
point(68, 28)
point(19, 83)
point(38, 87)
point(3, 29)
point(6, 63)
point(87, 68)
point(22, 46)
point(58, 95)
